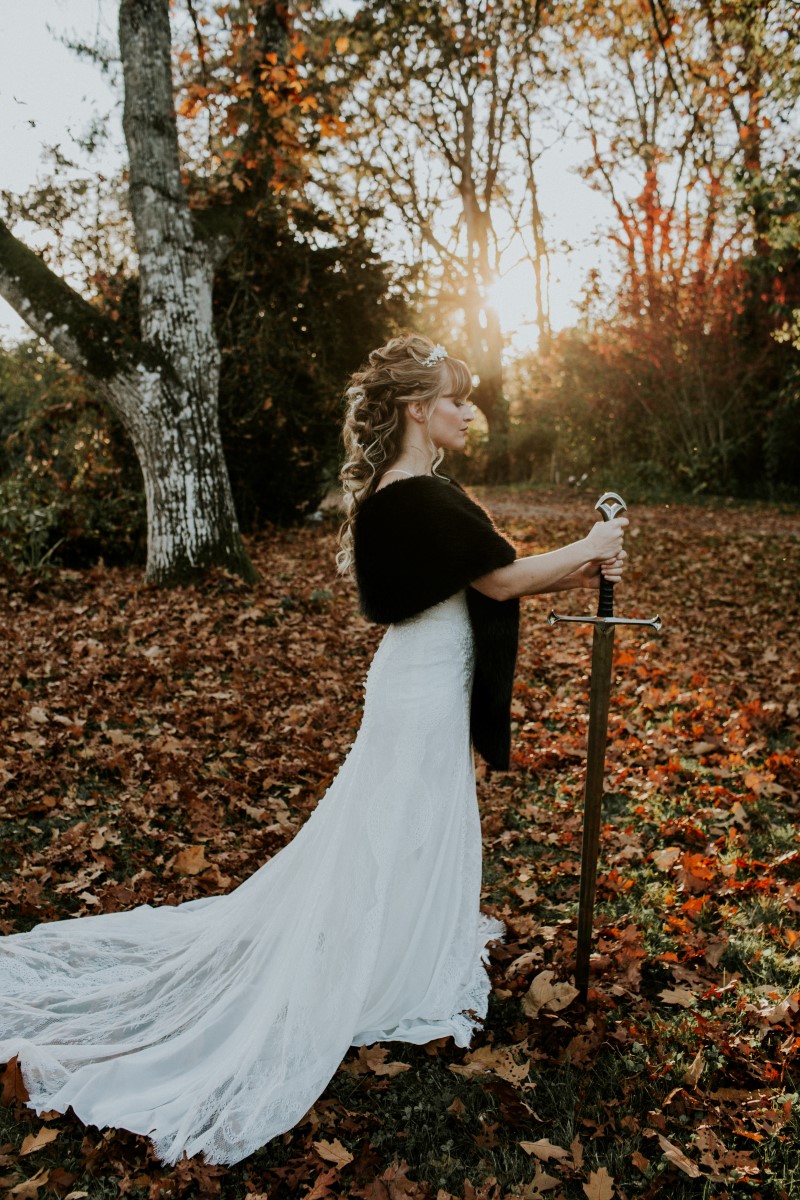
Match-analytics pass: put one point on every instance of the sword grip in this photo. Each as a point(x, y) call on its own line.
point(605, 604)
point(609, 506)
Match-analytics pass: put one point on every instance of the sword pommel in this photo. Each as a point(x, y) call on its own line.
point(611, 505)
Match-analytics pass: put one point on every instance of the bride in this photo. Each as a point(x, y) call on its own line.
point(212, 1026)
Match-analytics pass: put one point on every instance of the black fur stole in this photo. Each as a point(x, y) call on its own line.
point(419, 541)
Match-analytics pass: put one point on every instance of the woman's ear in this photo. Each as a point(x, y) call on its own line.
point(416, 411)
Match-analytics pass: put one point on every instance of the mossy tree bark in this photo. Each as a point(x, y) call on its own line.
point(164, 385)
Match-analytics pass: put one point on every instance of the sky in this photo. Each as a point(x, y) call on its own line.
point(48, 94)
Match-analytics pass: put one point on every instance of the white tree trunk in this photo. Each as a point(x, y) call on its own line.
point(191, 523)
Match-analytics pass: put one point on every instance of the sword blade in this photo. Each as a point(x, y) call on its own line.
point(599, 697)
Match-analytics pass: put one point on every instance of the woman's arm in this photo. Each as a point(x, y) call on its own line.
point(549, 572)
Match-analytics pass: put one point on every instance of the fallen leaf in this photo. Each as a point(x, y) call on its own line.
point(373, 1058)
point(190, 861)
point(544, 1149)
point(665, 859)
point(678, 995)
point(693, 1072)
point(520, 964)
point(35, 1141)
point(675, 1155)
point(392, 1068)
point(541, 1182)
point(499, 1060)
point(29, 1188)
point(333, 1152)
point(544, 994)
point(322, 1186)
point(600, 1185)
point(13, 1083)
point(714, 951)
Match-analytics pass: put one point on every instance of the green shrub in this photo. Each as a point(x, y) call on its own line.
point(70, 488)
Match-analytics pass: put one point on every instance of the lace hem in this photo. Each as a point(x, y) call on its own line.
point(473, 999)
point(477, 994)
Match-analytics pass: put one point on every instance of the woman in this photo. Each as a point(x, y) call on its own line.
point(213, 1026)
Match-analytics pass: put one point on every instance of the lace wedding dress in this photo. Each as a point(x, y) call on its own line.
point(213, 1026)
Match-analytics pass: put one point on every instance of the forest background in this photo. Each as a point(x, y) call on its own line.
point(377, 168)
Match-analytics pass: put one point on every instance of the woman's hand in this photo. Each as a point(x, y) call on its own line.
point(610, 568)
point(604, 539)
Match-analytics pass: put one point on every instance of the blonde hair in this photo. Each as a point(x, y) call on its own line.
point(374, 425)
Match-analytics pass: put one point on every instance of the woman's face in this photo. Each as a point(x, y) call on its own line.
point(449, 422)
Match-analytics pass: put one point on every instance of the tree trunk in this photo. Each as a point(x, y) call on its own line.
point(485, 338)
point(486, 351)
point(163, 386)
point(191, 522)
point(191, 519)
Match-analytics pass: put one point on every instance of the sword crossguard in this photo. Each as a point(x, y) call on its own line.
point(653, 622)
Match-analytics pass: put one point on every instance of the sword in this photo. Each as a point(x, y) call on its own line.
point(610, 505)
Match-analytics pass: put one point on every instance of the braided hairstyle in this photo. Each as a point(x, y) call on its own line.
point(374, 423)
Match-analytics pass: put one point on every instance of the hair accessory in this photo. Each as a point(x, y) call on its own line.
point(436, 355)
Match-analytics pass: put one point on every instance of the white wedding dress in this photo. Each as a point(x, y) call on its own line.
point(213, 1026)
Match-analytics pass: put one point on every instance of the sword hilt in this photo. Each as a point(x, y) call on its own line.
point(610, 505)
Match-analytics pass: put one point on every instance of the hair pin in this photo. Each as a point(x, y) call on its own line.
point(436, 355)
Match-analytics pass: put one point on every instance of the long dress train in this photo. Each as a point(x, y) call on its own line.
point(213, 1026)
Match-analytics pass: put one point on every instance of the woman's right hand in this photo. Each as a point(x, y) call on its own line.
point(604, 539)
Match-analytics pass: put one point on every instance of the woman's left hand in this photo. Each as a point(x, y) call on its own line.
point(610, 568)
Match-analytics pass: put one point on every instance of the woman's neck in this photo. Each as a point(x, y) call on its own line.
point(414, 460)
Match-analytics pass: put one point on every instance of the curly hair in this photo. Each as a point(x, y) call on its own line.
point(373, 425)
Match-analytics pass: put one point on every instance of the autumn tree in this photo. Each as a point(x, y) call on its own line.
point(434, 114)
point(163, 384)
point(299, 300)
point(666, 110)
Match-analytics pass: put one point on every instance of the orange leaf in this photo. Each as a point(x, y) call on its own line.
point(29, 1188)
point(600, 1185)
point(190, 861)
point(35, 1141)
point(333, 1152)
point(322, 1188)
point(544, 1149)
point(13, 1084)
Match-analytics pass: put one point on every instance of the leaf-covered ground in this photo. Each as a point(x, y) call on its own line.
point(158, 746)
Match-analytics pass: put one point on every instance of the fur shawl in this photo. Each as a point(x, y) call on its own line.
point(419, 541)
